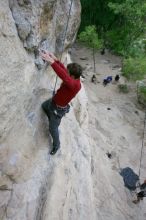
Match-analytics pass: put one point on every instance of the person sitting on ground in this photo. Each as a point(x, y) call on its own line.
point(142, 193)
point(107, 80)
point(93, 79)
point(132, 182)
point(102, 51)
point(117, 77)
point(56, 107)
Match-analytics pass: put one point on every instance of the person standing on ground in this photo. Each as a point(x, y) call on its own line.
point(56, 107)
point(94, 79)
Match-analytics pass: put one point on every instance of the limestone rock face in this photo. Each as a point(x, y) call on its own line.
point(44, 22)
point(25, 167)
point(80, 182)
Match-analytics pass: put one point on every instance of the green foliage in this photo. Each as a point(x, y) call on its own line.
point(116, 41)
point(134, 68)
point(131, 19)
point(90, 37)
point(119, 22)
point(142, 94)
point(143, 90)
point(123, 88)
point(138, 48)
point(96, 12)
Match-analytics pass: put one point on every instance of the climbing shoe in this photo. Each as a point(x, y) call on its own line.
point(54, 150)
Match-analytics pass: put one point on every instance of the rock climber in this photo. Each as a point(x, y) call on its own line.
point(56, 107)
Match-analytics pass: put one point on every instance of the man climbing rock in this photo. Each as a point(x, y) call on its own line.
point(58, 106)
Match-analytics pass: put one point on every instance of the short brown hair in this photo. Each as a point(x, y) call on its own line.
point(74, 70)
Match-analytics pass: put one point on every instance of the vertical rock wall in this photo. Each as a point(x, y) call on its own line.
point(79, 182)
point(25, 82)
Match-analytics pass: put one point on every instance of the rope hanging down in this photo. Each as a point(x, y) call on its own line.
point(142, 143)
point(141, 154)
point(94, 59)
point(94, 23)
point(63, 42)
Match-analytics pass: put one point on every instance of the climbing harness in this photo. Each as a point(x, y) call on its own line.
point(63, 42)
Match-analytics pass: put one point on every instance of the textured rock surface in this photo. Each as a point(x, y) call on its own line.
point(115, 126)
point(25, 169)
point(76, 183)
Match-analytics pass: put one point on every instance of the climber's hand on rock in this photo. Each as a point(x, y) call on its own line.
point(52, 55)
point(46, 56)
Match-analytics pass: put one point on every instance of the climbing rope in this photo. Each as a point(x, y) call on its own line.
point(63, 42)
point(142, 144)
point(94, 67)
point(94, 59)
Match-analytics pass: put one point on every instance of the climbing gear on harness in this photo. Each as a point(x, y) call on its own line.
point(58, 107)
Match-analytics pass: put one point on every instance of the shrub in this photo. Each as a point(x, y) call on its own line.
point(142, 94)
point(134, 68)
point(123, 88)
point(138, 48)
point(90, 37)
point(116, 40)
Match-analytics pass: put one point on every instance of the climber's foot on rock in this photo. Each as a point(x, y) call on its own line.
point(54, 150)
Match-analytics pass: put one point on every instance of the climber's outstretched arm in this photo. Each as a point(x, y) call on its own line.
point(50, 58)
point(59, 68)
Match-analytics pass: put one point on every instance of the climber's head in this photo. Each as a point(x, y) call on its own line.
point(74, 70)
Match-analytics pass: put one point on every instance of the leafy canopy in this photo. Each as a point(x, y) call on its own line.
point(90, 37)
point(121, 24)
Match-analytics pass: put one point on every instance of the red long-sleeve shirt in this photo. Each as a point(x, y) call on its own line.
point(68, 89)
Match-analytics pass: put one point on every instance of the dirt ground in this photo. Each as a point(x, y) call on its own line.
point(114, 117)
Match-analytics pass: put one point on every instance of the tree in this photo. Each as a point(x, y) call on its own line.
point(130, 24)
point(118, 22)
point(90, 37)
